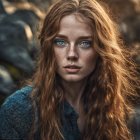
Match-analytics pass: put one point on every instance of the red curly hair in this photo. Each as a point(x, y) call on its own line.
point(109, 87)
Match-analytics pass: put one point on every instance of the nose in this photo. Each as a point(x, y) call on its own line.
point(72, 53)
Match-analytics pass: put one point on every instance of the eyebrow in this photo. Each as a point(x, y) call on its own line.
point(81, 37)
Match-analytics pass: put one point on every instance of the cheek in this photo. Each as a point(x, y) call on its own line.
point(59, 54)
point(90, 62)
point(59, 61)
point(58, 57)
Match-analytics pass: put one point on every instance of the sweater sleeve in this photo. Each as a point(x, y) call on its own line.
point(16, 115)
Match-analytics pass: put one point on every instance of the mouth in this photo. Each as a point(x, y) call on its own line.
point(72, 68)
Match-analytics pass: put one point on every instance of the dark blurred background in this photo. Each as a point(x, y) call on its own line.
point(19, 27)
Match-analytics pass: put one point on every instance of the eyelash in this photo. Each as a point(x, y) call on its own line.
point(58, 41)
point(82, 44)
point(85, 44)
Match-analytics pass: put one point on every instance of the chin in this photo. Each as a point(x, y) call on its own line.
point(73, 79)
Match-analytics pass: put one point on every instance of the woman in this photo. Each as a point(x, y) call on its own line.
point(82, 84)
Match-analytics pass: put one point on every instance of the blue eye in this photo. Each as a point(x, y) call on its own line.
point(85, 44)
point(60, 43)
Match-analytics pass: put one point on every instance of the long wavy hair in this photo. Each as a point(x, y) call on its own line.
point(110, 86)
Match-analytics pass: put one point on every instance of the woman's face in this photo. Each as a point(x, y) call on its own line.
point(73, 48)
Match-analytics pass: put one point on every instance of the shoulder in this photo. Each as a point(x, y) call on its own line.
point(16, 113)
point(18, 100)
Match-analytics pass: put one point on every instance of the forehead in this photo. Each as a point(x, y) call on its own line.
point(74, 23)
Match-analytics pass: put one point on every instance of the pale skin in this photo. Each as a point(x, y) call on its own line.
point(76, 59)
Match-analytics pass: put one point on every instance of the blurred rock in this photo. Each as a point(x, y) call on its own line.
point(127, 14)
point(27, 16)
point(130, 28)
point(17, 0)
point(14, 47)
point(18, 46)
point(18, 57)
point(2, 11)
point(134, 123)
point(41, 4)
point(136, 53)
point(1, 8)
point(7, 85)
point(121, 8)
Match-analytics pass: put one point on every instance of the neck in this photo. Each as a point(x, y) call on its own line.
point(74, 91)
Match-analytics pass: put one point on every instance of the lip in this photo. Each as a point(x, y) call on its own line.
point(72, 68)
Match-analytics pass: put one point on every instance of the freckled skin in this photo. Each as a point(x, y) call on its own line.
point(72, 29)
